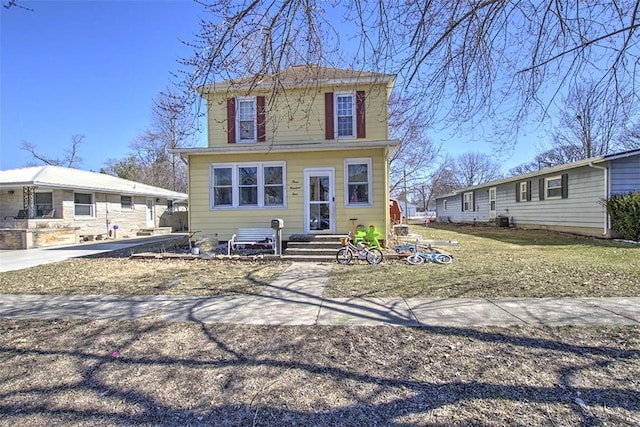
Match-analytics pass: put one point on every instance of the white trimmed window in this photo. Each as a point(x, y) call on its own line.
point(553, 187)
point(467, 201)
point(524, 191)
point(357, 183)
point(345, 114)
point(83, 205)
point(247, 185)
point(246, 119)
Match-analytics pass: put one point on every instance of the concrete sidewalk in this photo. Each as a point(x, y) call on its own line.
point(295, 298)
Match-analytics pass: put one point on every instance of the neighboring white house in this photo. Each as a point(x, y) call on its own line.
point(564, 198)
point(51, 205)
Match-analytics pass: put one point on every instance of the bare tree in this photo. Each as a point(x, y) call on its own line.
point(69, 159)
point(416, 154)
point(440, 181)
point(491, 59)
point(630, 137)
point(151, 159)
point(475, 168)
point(590, 124)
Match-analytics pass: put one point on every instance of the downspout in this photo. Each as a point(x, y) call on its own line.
point(605, 230)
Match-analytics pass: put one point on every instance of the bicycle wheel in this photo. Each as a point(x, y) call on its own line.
point(415, 259)
point(444, 259)
point(374, 256)
point(343, 256)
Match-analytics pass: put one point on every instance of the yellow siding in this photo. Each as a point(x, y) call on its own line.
point(298, 116)
point(225, 222)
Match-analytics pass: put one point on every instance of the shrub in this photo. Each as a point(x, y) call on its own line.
point(624, 211)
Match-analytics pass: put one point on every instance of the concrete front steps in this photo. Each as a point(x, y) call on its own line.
point(154, 231)
point(320, 248)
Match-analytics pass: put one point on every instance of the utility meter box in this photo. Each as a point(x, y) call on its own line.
point(277, 224)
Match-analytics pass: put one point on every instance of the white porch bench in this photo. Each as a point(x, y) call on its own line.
point(252, 236)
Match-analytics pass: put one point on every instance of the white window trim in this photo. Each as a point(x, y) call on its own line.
point(354, 121)
point(235, 185)
point(524, 192)
point(469, 202)
point(546, 187)
point(92, 215)
point(239, 139)
point(358, 161)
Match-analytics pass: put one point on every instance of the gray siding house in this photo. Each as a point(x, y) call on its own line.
point(563, 198)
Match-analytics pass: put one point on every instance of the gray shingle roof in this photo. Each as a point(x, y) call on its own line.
point(76, 179)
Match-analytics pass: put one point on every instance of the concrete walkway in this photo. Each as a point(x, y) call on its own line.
point(27, 258)
point(295, 298)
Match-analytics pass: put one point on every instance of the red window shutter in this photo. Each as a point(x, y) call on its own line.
point(231, 120)
point(261, 119)
point(328, 116)
point(360, 115)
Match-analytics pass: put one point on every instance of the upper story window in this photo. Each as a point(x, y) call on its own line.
point(83, 205)
point(345, 115)
point(246, 119)
point(358, 182)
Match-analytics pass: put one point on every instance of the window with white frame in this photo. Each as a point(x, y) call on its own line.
point(357, 182)
point(345, 117)
point(524, 191)
point(246, 119)
point(126, 203)
point(467, 204)
point(553, 187)
point(247, 185)
point(83, 204)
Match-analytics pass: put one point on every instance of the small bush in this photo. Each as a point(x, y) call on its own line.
point(624, 211)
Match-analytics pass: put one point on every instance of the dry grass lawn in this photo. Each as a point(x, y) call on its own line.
point(152, 373)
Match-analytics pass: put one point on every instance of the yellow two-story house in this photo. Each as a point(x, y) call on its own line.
point(309, 146)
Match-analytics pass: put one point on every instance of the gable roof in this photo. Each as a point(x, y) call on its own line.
point(546, 171)
point(300, 76)
point(76, 179)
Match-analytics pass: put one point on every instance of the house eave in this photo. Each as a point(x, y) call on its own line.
point(286, 148)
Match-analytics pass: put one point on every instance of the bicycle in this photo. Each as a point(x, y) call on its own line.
point(419, 257)
point(345, 254)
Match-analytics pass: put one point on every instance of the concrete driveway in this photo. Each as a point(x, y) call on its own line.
point(19, 259)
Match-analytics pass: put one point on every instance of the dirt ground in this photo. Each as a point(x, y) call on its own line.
point(144, 373)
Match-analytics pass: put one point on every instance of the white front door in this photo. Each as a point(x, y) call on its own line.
point(319, 200)
point(492, 203)
point(151, 216)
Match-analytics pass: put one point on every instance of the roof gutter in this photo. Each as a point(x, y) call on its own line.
point(605, 196)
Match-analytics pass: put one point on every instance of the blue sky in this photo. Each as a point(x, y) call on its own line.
point(86, 67)
point(93, 68)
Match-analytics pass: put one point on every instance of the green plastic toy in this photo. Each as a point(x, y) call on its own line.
point(372, 237)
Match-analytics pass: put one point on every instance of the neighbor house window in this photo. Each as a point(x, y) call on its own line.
point(467, 201)
point(358, 182)
point(246, 119)
point(83, 204)
point(44, 203)
point(444, 205)
point(553, 187)
point(345, 114)
point(126, 203)
point(247, 185)
point(523, 191)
